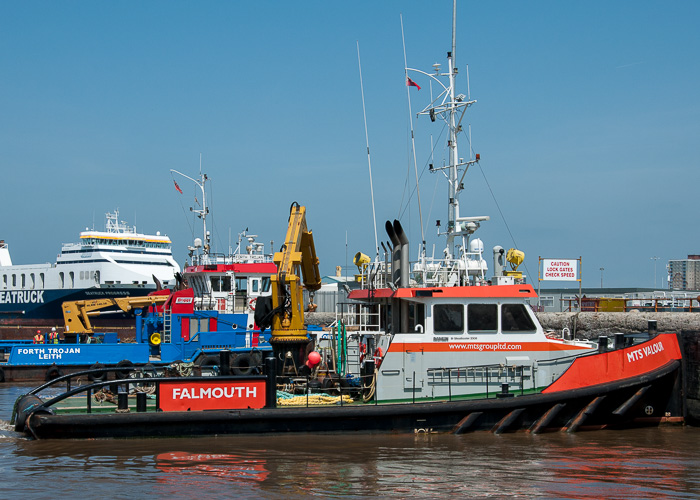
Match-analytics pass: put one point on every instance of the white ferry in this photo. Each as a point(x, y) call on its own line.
point(115, 262)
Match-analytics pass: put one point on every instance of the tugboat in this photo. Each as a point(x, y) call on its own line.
point(436, 346)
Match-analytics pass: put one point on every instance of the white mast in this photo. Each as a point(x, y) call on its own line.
point(201, 213)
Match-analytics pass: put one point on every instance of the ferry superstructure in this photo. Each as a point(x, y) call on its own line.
point(118, 261)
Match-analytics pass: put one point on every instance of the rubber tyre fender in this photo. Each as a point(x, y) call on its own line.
point(2, 375)
point(124, 363)
point(97, 377)
point(243, 364)
point(53, 373)
point(207, 361)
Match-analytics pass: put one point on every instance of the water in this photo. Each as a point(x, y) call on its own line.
point(646, 463)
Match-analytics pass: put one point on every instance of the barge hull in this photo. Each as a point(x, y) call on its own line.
point(651, 399)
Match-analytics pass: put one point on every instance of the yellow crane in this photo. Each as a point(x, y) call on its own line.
point(76, 313)
point(297, 257)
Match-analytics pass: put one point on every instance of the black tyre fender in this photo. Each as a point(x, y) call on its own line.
point(243, 364)
point(204, 360)
point(97, 377)
point(2, 375)
point(53, 373)
point(124, 363)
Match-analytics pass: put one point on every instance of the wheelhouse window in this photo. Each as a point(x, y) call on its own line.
point(448, 318)
point(514, 318)
point(266, 284)
point(416, 316)
point(482, 318)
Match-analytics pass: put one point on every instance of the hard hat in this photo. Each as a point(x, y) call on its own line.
point(38, 331)
point(53, 329)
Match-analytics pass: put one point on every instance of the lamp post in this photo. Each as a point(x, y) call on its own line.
point(654, 258)
point(601, 276)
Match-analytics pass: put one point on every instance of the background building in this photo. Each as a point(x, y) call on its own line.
point(684, 274)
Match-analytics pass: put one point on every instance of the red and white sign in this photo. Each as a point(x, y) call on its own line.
point(559, 270)
point(214, 395)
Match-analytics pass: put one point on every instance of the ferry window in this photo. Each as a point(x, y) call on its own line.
point(266, 284)
point(482, 318)
point(416, 316)
point(4, 280)
point(448, 318)
point(24, 281)
point(226, 284)
point(14, 281)
point(514, 318)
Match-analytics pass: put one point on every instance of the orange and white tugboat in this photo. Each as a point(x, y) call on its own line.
point(430, 346)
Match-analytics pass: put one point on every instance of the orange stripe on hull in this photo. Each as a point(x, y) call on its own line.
point(483, 347)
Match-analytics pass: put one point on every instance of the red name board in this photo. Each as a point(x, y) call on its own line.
point(214, 395)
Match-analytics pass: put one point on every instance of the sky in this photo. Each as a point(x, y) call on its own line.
point(587, 123)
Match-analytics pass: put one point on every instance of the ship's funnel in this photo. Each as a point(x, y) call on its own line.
point(395, 254)
point(403, 239)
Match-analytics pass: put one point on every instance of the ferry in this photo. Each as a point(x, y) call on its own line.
point(432, 346)
point(115, 262)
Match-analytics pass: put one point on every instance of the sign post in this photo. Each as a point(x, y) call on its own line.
point(560, 270)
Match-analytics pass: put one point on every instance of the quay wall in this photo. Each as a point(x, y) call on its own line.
point(590, 325)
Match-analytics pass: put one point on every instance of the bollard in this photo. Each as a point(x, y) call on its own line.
point(225, 363)
point(271, 382)
point(123, 400)
point(602, 344)
point(652, 327)
point(504, 392)
point(141, 399)
point(619, 341)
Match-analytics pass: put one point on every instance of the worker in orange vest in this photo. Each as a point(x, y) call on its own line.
point(53, 336)
point(38, 338)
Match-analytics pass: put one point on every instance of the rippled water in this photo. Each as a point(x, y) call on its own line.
point(647, 463)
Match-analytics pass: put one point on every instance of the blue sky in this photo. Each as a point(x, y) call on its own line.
point(587, 123)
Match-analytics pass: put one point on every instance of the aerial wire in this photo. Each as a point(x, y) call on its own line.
point(413, 141)
point(369, 161)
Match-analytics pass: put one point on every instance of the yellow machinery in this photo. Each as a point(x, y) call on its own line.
point(298, 253)
point(76, 313)
point(361, 261)
point(515, 258)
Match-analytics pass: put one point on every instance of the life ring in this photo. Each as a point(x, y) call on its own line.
point(251, 304)
point(126, 364)
point(2, 375)
point(363, 351)
point(154, 339)
point(378, 356)
point(98, 376)
point(243, 364)
point(53, 373)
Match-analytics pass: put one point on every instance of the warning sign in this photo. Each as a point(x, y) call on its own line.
point(559, 270)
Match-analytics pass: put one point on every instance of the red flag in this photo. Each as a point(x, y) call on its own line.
point(411, 83)
point(177, 187)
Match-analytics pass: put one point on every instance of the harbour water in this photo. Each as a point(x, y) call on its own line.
point(644, 463)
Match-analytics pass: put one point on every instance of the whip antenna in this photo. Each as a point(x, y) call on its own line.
point(369, 161)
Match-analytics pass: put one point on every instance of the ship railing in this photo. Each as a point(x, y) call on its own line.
point(428, 272)
point(359, 316)
point(486, 379)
